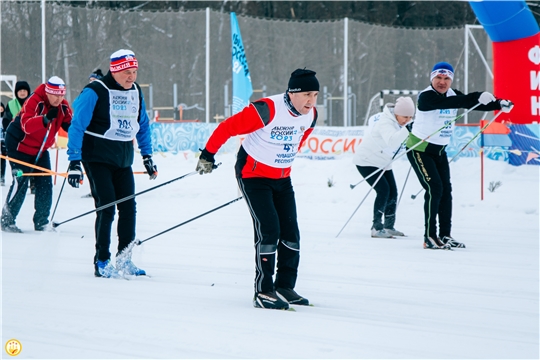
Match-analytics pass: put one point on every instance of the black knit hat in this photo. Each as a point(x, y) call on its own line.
point(303, 80)
point(21, 85)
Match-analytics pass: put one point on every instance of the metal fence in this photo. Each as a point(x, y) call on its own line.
point(171, 49)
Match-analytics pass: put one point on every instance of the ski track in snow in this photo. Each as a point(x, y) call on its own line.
point(374, 298)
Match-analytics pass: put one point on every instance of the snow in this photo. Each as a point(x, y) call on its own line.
point(374, 298)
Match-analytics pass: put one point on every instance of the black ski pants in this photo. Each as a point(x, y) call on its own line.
point(17, 191)
point(433, 172)
point(109, 183)
point(3, 161)
point(386, 199)
point(272, 207)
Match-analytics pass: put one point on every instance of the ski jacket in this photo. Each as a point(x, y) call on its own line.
point(382, 140)
point(274, 137)
point(106, 119)
point(26, 133)
point(438, 111)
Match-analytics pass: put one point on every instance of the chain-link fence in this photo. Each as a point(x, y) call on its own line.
point(171, 49)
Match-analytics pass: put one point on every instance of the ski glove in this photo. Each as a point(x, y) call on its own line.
point(51, 115)
point(486, 97)
point(506, 105)
point(206, 162)
point(151, 169)
point(75, 174)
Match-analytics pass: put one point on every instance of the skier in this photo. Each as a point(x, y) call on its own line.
point(28, 138)
point(387, 132)
point(276, 128)
point(108, 114)
point(438, 105)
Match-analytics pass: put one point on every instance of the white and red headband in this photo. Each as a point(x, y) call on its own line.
point(55, 86)
point(122, 60)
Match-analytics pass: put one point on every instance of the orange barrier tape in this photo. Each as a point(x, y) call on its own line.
point(49, 171)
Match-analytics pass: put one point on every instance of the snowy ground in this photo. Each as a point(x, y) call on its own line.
point(373, 298)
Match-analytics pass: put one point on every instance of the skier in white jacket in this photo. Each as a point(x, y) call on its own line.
point(385, 136)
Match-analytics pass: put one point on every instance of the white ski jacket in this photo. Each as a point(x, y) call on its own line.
point(382, 140)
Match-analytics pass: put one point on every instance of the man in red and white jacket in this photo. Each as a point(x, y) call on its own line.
point(276, 128)
point(28, 138)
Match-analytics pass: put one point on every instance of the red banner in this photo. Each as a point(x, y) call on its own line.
point(516, 68)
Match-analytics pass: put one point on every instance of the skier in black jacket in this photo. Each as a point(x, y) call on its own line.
point(438, 105)
point(108, 114)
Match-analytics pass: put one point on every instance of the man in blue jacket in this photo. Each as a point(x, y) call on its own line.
point(108, 114)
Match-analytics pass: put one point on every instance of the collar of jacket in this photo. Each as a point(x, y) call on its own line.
point(112, 84)
point(290, 105)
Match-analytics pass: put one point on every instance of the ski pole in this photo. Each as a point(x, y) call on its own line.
point(59, 194)
point(397, 151)
point(55, 224)
point(42, 174)
point(65, 174)
point(475, 136)
point(364, 199)
point(43, 143)
point(139, 242)
point(404, 183)
point(464, 147)
point(413, 196)
point(416, 145)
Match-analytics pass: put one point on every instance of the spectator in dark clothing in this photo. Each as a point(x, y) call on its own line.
point(22, 91)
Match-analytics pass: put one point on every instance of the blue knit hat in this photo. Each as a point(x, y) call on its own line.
point(442, 68)
point(96, 75)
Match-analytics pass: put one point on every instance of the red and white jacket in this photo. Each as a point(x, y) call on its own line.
point(274, 137)
point(27, 130)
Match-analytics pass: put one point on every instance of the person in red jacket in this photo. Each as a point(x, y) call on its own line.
point(276, 128)
point(28, 138)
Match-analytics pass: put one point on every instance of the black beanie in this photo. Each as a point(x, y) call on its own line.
point(303, 80)
point(22, 85)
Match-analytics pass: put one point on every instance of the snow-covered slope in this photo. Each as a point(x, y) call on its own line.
point(373, 298)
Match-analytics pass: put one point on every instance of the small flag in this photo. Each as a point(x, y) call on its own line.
point(241, 79)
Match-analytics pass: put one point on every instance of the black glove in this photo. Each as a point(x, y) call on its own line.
point(151, 169)
point(51, 115)
point(409, 126)
point(75, 174)
point(206, 162)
